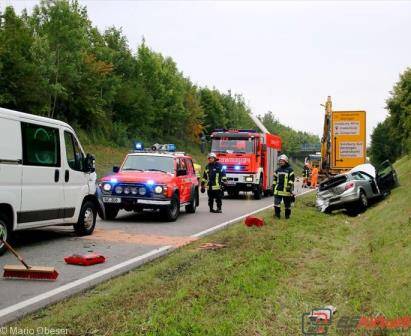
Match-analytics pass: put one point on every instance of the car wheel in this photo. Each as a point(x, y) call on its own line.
point(363, 200)
point(87, 219)
point(111, 212)
point(5, 232)
point(172, 211)
point(191, 208)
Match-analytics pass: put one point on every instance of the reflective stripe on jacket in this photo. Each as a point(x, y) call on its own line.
point(283, 181)
point(213, 176)
point(306, 172)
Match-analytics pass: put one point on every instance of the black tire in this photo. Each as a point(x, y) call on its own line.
point(258, 193)
point(171, 212)
point(111, 212)
point(5, 232)
point(87, 219)
point(363, 200)
point(233, 193)
point(268, 192)
point(191, 208)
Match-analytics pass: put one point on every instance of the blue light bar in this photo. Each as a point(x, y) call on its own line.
point(150, 182)
point(113, 180)
point(224, 167)
point(171, 147)
point(138, 146)
point(237, 167)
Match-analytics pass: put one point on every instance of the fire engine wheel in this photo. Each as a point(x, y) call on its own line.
point(87, 219)
point(233, 193)
point(111, 212)
point(258, 193)
point(5, 232)
point(195, 200)
point(172, 211)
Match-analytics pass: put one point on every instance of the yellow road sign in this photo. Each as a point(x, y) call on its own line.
point(348, 139)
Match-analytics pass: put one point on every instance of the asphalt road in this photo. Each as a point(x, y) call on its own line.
point(126, 242)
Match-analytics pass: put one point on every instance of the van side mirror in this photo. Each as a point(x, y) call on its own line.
point(89, 164)
point(181, 172)
point(116, 169)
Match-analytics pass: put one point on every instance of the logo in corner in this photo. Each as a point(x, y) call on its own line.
point(317, 322)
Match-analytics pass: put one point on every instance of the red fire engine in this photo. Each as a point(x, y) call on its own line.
point(249, 158)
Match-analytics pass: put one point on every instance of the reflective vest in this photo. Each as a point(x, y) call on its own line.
point(283, 181)
point(213, 176)
point(306, 171)
point(197, 169)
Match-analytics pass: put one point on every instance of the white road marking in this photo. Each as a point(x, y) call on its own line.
point(71, 285)
point(142, 258)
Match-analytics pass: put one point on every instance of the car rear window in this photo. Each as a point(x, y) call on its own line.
point(332, 182)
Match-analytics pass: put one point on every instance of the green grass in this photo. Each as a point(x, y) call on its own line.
point(264, 279)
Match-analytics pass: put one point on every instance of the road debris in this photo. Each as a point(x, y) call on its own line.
point(212, 246)
point(252, 220)
point(85, 259)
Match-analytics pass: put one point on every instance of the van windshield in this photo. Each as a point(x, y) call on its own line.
point(149, 162)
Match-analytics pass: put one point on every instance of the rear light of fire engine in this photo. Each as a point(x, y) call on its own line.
point(349, 185)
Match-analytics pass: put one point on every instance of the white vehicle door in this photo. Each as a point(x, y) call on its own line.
point(42, 187)
point(74, 179)
point(10, 163)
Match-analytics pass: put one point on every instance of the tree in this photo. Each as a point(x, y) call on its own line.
point(21, 87)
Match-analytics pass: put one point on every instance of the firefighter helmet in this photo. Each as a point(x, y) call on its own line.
point(283, 157)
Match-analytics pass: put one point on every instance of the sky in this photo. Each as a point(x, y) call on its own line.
point(284, 57)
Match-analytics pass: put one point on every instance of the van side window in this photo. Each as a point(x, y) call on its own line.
point(75, 157)
point(41, 145)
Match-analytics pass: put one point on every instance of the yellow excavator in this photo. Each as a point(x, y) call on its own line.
point(343, 144)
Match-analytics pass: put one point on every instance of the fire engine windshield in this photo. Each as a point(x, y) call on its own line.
point(149, 163)
point(227, 145)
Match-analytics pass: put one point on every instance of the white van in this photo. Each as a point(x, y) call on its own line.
point(45, 178)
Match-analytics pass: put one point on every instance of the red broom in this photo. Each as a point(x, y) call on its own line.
point(25, 271)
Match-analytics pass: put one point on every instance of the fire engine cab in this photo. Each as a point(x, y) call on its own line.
point(249, 158)
point(157, 179)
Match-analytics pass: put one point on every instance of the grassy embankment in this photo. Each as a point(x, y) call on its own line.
point(264, 279)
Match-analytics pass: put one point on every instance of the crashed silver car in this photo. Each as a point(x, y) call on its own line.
point(353, 191)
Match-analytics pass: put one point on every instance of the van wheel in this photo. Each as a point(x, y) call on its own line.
point(191, 208)
point(5, 232)
point(111, 212)
point(87, 219)
point(172, 211)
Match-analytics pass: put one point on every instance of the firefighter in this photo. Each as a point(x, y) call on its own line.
point(306, 174)
point(283, 186)
point(314, 177)
point(214, 179)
